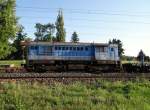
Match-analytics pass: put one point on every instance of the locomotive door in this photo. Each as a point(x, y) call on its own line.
point(112, 54)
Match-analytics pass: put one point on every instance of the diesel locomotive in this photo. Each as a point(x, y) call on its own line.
point(46, 56)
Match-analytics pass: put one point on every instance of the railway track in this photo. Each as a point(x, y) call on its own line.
point(74, 77)
point(67, 78)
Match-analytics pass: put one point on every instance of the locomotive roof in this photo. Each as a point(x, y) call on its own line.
point(66, 43)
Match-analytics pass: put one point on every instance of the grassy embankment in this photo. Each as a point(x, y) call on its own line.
point(16, 63)
point(103, 95)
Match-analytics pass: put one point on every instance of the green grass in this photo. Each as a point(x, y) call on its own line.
point(19, 62)
point(12, 62)
point(102, 95)
point(125, 61)
point(133, 62)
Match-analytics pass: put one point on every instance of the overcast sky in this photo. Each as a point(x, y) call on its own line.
point(94, 20)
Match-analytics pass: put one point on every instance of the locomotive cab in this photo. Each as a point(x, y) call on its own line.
point(106, 52)
point(107, 57)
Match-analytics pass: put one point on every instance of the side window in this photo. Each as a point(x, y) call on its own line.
point(86, 48)
point(70, 48)
point(56, 48)
point(36, 47)
point(63, 48)
point(66, 48)
point(112, 49)
point(81, 48)
point(78, 48)
point(102, 49)
point(33, 48)
point(59, 48)
point(47, 50)
point(74, 48)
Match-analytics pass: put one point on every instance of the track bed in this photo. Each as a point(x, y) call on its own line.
point(70, 77)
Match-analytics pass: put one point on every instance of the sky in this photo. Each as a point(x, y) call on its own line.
point(94, 20)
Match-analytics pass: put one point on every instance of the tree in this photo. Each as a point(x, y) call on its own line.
point(142, 56)
point(40, 30)
point(8, 26)
point(74, 37)
point(61, 33)
point(49, 31)
point(120, 46)
point(21, 36)
point(44, 32)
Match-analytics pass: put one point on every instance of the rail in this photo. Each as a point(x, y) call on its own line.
point(75, 77)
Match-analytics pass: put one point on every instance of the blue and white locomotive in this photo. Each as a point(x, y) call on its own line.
point(67, 55)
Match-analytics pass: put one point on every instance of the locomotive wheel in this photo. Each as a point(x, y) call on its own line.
point(39, 68)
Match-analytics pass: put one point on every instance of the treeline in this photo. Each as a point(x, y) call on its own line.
point(12, 33)
point(46, 32)
point(141, 56)
point(8, 27)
